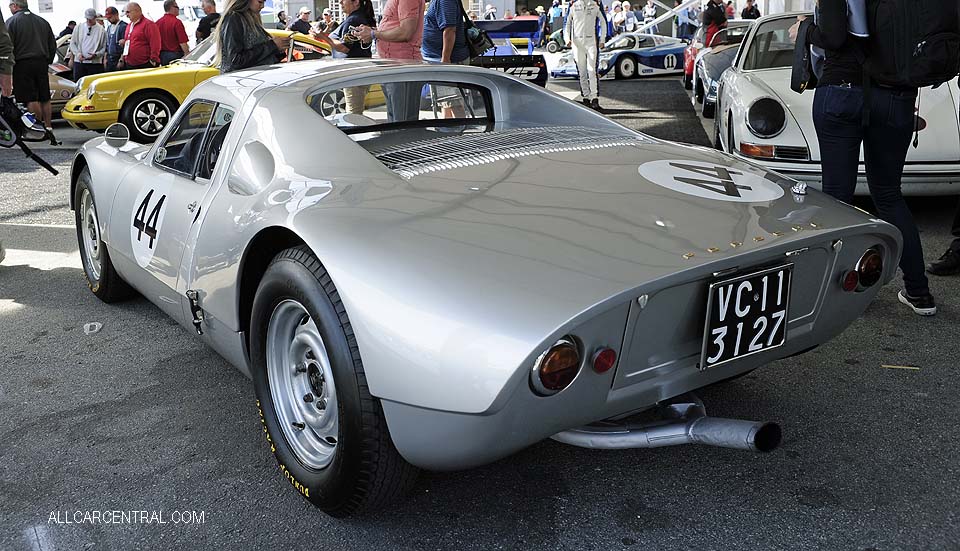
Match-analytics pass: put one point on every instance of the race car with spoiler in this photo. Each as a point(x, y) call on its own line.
point(631, 55)
point(441, 286)
point(758, 117)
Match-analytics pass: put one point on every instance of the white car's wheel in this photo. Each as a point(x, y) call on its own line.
point(626, 66)
point(326, 431)
point(101, 276)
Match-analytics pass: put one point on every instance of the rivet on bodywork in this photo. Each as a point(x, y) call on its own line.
point(814, 225)
point(777, 233)
point(797, 228)
point(758, 239)
point(736, 244)
point(688, 256)
point(713, 250)
point(642, 301)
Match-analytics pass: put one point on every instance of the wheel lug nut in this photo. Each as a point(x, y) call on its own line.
point(298, 426)
point(301, 367)
point(308, 397)
point(322, 403)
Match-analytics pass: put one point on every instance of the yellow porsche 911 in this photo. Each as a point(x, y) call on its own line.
point(145, 99)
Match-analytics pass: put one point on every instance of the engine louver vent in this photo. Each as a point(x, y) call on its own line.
point(416, 158)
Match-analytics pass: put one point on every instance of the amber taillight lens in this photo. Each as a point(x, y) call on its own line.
point(556, 368)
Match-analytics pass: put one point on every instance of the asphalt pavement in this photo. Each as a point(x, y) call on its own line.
point(132, 413)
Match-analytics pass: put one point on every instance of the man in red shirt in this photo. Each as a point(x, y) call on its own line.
point(173, 37)
point(141, 47)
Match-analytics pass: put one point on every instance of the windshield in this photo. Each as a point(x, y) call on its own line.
point(771, 46)
point(621, 43)
point(202, 53)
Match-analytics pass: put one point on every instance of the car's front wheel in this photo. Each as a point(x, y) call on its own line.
point(101, 276)
point(708, 110)
point(626, 67)
point(553, 47)
point(146, 115)
point(326, 431)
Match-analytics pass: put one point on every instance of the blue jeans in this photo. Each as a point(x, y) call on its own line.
point(838, 118)
point(403, 100)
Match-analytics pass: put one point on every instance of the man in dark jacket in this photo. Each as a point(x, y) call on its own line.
point(750, 12)
point(715, 18)
point(302, 23)
point(68, 29)
point(115, 34)
point(209, 21)
point(34, 48)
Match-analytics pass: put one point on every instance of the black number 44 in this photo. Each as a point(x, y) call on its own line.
point(148, 226)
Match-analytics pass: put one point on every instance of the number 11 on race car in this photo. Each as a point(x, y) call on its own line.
point(746, 315)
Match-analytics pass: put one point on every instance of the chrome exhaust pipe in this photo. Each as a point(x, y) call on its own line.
point(687, 424)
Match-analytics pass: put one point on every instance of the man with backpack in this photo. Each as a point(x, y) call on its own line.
point(868, 81)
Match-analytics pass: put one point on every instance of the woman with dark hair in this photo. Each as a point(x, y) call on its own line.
point(882, 121)
point(242, 41)
point(346, 44)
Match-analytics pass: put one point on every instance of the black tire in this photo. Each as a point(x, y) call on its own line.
point(553, 47)
point(627, 67)
point(105, 283)
point(137, 112)
point(698, 90)
point(709, 109)
point(687, 81)
point(365, 471)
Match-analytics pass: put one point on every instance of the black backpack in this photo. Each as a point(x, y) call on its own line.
point(913, 43)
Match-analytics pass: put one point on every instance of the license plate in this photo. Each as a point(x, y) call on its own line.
point(746, 315)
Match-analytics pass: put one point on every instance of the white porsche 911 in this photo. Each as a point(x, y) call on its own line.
point(760, 118)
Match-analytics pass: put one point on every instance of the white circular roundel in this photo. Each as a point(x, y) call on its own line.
point(146, 223)
point(711, 181)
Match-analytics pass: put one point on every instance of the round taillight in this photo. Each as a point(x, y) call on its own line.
point(556, 368)
point(850, 281)
point(870, 268)
point(604, 359)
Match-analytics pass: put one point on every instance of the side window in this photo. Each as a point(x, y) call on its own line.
point(211, 149)
point(182, 148)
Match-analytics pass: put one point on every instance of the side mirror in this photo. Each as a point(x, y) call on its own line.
point(117, 135)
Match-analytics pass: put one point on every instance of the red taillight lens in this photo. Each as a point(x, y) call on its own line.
point(603, 360)
point(870, 268)
point(556, 368)
point(850, 281)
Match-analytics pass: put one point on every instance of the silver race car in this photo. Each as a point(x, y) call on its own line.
point(481, 267)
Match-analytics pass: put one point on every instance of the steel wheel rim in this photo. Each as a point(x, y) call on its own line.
point(302, 385)
point(333, 103)
point(627, 67)
point(90, 231)
point(150, 116)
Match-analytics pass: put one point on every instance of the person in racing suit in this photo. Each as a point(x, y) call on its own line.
point(584, 19)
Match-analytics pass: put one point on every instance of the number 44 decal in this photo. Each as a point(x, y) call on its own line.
point(148, 224)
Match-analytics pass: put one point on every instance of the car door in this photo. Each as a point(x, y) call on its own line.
point(157, 203)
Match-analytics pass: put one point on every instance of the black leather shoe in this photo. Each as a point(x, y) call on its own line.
point(949, 264)
point(586, 102)
point(923, 304)
point(595, 104)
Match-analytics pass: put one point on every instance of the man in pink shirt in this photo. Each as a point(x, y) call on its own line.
point(398, 37)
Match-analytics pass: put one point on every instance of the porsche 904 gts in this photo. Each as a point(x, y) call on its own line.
point(630, 56)
point(443, 288)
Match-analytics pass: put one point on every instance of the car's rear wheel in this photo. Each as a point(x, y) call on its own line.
point(698, 90)
point(146, 115)
point(326, 431)
point(687, 81)
point(332, 103)
point(101, 276)
point(626, 67)
point(553, 47)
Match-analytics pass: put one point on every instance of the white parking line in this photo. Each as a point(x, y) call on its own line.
point(24, 225)
point(41, 260)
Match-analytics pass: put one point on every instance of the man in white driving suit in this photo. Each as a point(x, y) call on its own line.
point(584, 19)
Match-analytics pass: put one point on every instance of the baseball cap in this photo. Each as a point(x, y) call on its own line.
point(90, 13)
point(304, 9)
point(326, 11)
